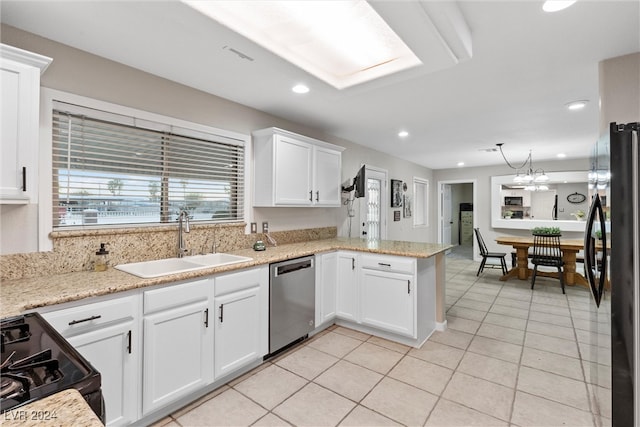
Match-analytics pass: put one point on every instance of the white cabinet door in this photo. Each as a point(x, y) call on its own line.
point(347, 295)
point(237, 334)
point(111, 351)
point(19, 116)
point(293, 170)
point(388, 301)
point(327, 177)
point(326, 278)
point(107, 334)
point(12, 158)
point(178, 342)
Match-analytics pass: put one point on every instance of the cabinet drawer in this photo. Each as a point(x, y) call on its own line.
point(237, 281)
point(74, 320)
point(177, 295)
point(388, 263)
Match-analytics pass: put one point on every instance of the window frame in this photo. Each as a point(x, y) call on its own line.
point(45, 196)
point(425, 194)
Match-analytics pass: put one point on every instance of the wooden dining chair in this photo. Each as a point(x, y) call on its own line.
point(486, 255)
point(547, 252)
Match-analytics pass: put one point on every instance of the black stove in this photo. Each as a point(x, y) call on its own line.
point(37, 362)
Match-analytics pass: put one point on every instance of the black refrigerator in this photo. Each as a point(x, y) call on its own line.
point(614, 275)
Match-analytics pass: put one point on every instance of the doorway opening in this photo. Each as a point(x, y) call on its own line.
point(457, 217)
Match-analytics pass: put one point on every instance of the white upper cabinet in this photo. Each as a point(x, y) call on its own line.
point(295, 170)
point(19, 115)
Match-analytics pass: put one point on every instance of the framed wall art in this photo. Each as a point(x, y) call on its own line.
point(396, 193)
point(407, 206)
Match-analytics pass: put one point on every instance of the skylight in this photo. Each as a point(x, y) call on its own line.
point(341, 42)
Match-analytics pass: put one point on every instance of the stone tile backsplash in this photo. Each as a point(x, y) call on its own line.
point(75, 250)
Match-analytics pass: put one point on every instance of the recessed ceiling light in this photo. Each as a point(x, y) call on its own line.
point(460, 164)
point(344, 43)
point(561, 155)
point(577, 105)
point(556, 5)
point(403, 134)
point(300, 88)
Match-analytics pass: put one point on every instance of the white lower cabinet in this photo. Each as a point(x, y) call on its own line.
point(388, 293)
point(388, 301)
point(107, 335)
point(347, 289)
point(241, 319)
point(160, 345)
point(178, 342)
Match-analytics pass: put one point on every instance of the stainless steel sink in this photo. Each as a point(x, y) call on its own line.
point(164, 267)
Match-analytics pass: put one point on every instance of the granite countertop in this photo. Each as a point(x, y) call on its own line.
point(20, 295)
point(61, 409)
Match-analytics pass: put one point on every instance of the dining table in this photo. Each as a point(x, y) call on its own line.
point(569, 248)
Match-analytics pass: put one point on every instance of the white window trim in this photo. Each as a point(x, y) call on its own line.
point(45, 197)
point(418, 180)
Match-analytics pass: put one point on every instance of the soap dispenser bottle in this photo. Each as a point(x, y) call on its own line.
point(102, 258)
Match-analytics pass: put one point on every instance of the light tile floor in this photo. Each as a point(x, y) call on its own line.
point(510, 357)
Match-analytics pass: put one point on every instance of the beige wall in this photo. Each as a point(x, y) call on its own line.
point(619, 90)
point(81, 73)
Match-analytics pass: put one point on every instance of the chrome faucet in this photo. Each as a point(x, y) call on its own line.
point(183, 225)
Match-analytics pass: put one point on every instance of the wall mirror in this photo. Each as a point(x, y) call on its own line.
point(562, 202)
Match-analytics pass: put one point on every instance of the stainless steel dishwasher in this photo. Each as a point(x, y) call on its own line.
point(292, 301)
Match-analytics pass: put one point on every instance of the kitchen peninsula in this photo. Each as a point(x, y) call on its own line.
point(418, 267)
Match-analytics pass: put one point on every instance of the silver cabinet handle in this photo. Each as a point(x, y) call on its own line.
point(384, 264)
point(24, 178)
point(317, 196)
point(88, 319)
point(206, 318)
point(408, 286)
point(221, 313)
point(129, 341)
point(353, 263)
point(311, 196)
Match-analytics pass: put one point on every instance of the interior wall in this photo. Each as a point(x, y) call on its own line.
point(619, 90)
point(396, 169)
point(482, 208)
point(565, 208)
point(88, 75)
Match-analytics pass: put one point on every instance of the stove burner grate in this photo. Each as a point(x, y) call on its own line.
point(14, 387)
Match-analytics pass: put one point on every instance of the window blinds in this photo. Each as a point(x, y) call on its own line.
point(110, 169)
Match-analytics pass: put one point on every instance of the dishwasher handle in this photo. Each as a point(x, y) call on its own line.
point(291, 267)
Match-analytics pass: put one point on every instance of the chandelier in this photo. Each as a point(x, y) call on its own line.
point(533, 180)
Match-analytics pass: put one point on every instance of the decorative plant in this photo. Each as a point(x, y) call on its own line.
point(546, 230)
point(579, 214)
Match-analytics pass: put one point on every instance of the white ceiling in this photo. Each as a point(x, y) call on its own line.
point(526, 65)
